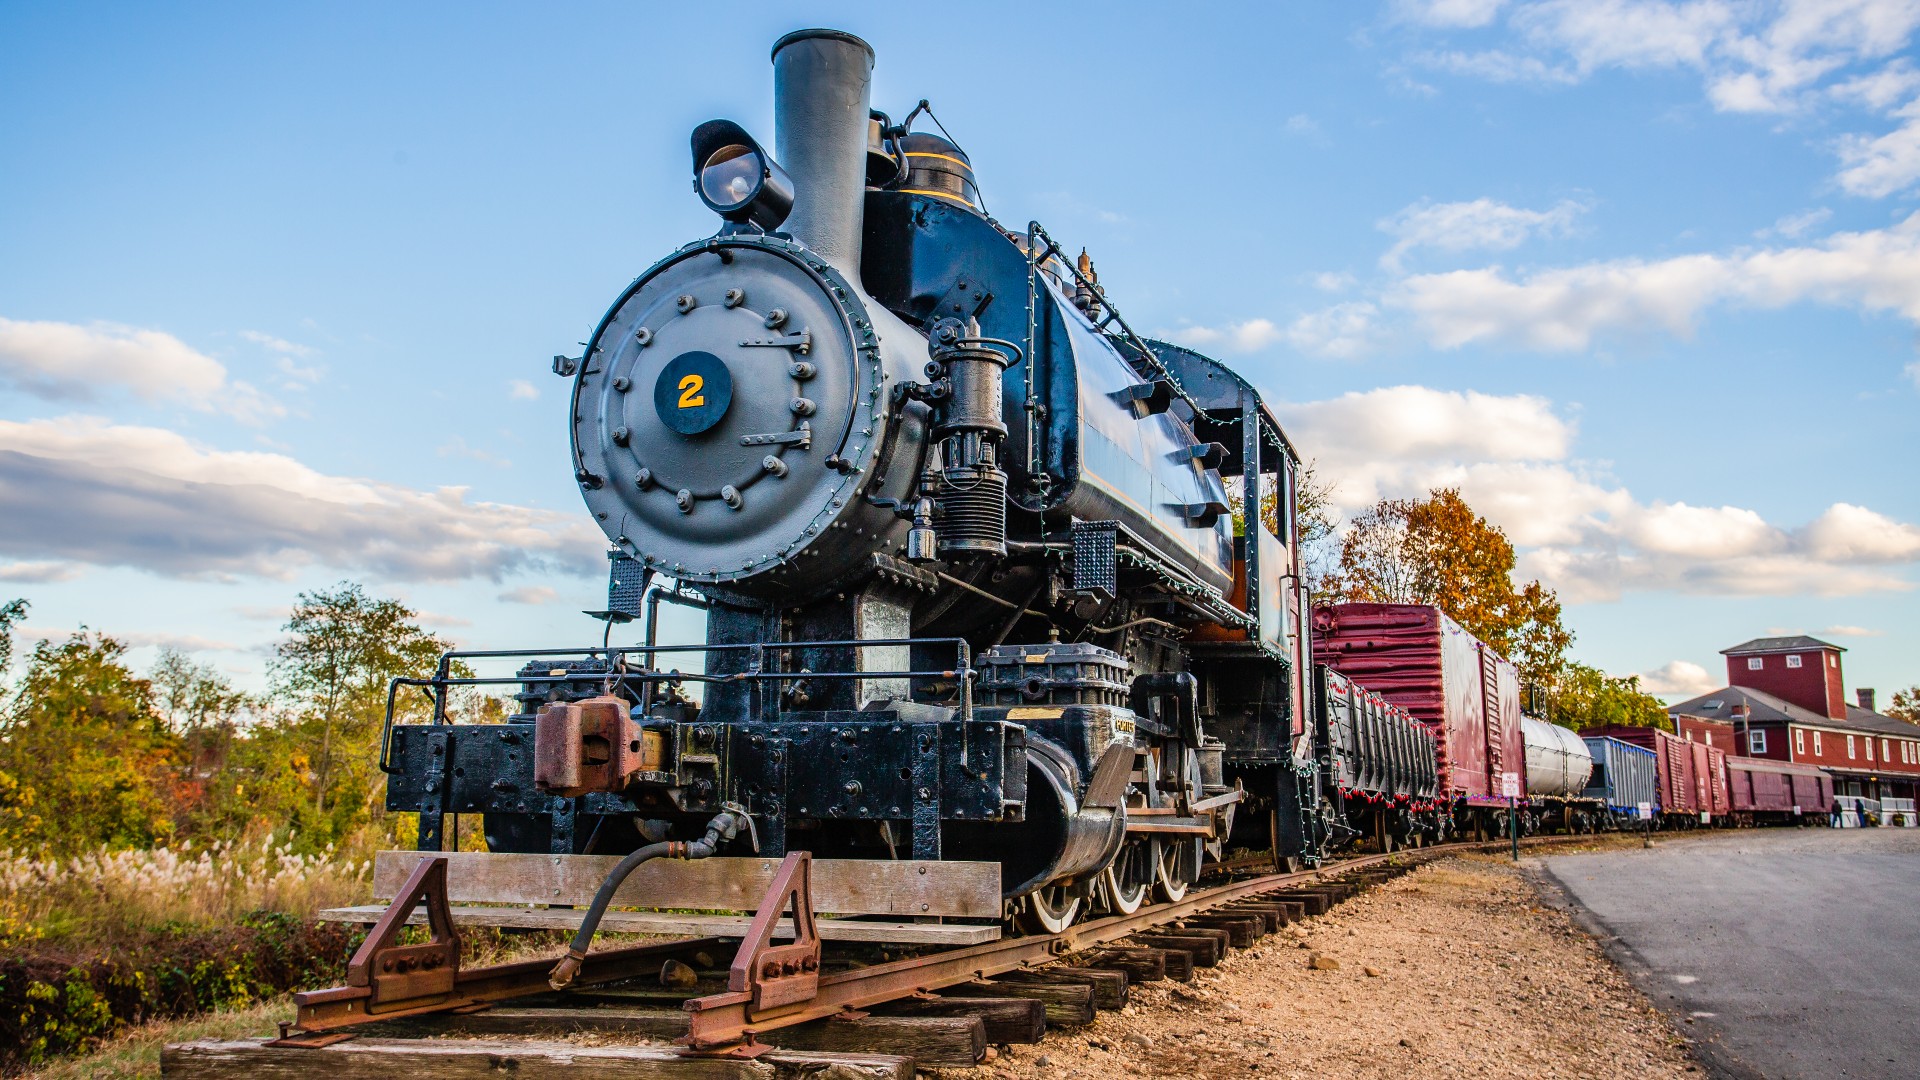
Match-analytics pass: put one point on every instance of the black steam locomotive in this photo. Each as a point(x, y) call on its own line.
point(985, 573)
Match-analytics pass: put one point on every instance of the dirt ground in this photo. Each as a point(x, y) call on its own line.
point(1453, 970)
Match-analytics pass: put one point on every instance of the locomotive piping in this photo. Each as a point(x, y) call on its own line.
point(822, 83)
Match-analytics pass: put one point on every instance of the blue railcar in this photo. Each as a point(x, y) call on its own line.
point(1624, 776)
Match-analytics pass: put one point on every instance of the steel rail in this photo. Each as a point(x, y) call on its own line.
point(719, 1022)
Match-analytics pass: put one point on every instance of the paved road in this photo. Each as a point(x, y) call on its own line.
point(1796, 952)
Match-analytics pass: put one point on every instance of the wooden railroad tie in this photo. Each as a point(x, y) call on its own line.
point(1141, 965)
point(1068, 1004)
point(1205, 950)
point(464, 1059)
point(1109, 987)
point(1241, 932)
point(1006, 1019)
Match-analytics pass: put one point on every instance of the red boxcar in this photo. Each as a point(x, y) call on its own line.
point(1465, 693)
point(1765, 790)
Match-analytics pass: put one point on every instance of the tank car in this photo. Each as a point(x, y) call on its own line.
point(983, 570)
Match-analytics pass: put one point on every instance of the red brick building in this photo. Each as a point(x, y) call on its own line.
point(1786, 700)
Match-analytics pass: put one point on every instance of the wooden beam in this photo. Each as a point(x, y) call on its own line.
point(943, 1041)
point(1109, 987)
point(905, 888)
point(952, 935)
point(1007, 1020)
point(1141, 965)
point(461, 1059)
point(1205, 949)
point(1068, 1005)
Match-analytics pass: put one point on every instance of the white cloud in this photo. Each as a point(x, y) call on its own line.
point(1250, 336)
point(530, 594)
point(1403, 423)
point(1850, 631)
point(1482, 224)
point(44, 572)
point(1887, 165)
point(1342, 331)
point(1679, 679)
point(1460, 13)
point(1334, 281)
point(1562, 309)
point(1498, 66)
point(522, 390)
point(1855, 534)
point(1771, 58)
point(1794, 226)
point(1578, 530)
point(83, 489)
point(1302, 124)
point(459, 447)
point(67, 362)
point(1912, 371)
point(279, 345)
point(298, 376)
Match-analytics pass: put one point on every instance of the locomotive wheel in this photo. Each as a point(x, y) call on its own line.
point(1048, 910)
point(1176, 863)
point(1122, 898)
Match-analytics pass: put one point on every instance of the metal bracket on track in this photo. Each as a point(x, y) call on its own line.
point(387, 981)
point(765, 979)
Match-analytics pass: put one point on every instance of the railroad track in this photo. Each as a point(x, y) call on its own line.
point(940, 1008)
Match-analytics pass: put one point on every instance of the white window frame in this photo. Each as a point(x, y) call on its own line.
point(1869, 739)
point(1756, 740)
point(1816, 744)
point(1849, 748)
point(1793, 660)
point(1799, 740)
point(1756, 663)
point(1833, 659)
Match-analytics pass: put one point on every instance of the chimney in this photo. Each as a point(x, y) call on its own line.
point(1865, 696)
point(821, 83)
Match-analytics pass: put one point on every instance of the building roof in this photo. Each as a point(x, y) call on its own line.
point(1768, 709)
point(1796, 643)
point(1765, 708)
point(1881, 722)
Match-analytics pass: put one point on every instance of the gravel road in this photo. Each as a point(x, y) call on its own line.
point(1454, 970)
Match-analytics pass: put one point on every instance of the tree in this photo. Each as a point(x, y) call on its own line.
point(1585, 697)
point(1314, 515)
point(1906, 705)
point(87, 750)
point(343, 649)
point(1437, 551)
point(11, 613)
point(194, 696)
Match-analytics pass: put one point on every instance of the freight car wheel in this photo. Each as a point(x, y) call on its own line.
point(1048, 910)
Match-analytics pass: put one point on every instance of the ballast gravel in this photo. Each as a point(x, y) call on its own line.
point(1454, 970)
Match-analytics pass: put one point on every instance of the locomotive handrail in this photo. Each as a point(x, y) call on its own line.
point(755, 675)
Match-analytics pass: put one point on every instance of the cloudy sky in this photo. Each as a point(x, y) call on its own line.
point(279, 285)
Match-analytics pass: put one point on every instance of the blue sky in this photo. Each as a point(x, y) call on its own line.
point(279, 285)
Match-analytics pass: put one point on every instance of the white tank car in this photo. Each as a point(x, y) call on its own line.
point(1558, 764)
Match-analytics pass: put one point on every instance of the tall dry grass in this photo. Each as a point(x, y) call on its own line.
point(106, 894)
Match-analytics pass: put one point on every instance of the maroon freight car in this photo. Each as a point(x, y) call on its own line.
point(1765, 791)
point(1464, 692)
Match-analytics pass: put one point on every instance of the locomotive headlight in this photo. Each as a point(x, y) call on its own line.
point(738, 179)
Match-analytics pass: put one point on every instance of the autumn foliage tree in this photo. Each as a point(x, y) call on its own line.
point(1436, 550)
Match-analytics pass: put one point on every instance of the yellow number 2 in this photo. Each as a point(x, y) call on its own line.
point(690, 396)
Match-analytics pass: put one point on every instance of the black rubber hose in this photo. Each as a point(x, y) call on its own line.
point(569, 966)
point(722, 828)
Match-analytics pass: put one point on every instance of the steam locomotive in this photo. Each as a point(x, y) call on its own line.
point(985, 573)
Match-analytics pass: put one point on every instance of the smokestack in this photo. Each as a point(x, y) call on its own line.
point(1865, 697)
point(822, 82)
